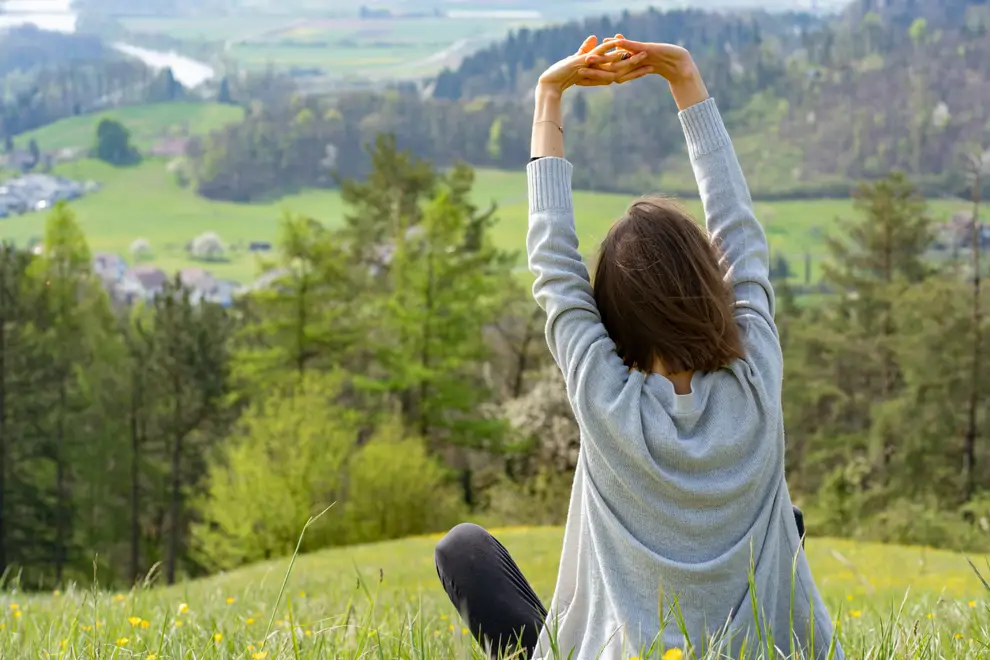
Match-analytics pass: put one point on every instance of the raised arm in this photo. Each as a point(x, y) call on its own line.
point(728, 208)
point(576, 337)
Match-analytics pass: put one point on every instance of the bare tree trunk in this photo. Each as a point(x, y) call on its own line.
point(969, 446)
point(171, 556)
point(522, 359)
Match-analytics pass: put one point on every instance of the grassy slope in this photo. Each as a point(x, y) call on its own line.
point(861, 583)
point(147, 123)
point(145, 201)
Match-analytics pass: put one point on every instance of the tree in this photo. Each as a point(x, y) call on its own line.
point(285, 462)
point(223, 96)
point(35, 152)
point(979, 168)
point(113, 143)
point(193, 367)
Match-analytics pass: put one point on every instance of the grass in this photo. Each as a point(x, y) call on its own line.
point(147, 123)
point(146, 201)
point(384, 601)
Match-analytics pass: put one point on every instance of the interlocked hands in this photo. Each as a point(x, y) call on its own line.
point(617, 60)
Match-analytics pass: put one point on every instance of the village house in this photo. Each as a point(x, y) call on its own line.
point(141, 283)
point(957, 233)
point(110, 267)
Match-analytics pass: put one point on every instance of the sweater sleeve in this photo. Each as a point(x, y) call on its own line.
point(729, 214)
point(577, 339)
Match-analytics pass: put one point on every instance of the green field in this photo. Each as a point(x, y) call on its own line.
point(147, 123)
point(147, 202)
point(397, 610)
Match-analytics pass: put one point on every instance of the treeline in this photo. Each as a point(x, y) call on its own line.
point(813, 109)
point(396, 369)
point(43, 83)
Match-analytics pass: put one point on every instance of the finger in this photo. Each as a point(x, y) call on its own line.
point(636, 73)
point(620, 58)
point(588, 44)
point(607, 58)
point(603, 47)
point(625, 44)
point(596, 74)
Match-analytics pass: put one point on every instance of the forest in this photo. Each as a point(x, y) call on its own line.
point(396, 369)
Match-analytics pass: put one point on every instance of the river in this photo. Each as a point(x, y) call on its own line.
point(57, 15)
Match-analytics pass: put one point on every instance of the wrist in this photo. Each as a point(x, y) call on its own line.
point(688, 88)
point(548, 92)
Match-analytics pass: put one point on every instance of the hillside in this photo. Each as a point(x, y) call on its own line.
point(148, 124)
point(821, 104)
point(384, 600)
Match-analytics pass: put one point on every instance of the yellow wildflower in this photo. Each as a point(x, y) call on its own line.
point(849, 598)
point(178, 623)
point(856, 614)
point(135, 621)
point(972, 603)
point(85, 628)
point(250, 647)
point(183, 608)
point(123, 641)
point(249, 621)
point(230, 600)
point(451, 627)
point(152, 657)
point(959, 636)
point(17, 614)
point(218, 637)
point(260, 655)
point(119, 598)
point(302, 594)
point(309, 633)
point(464, 631)
point(56, 593)
point(145, 624)
point(673, 654)
point(14, 607)
point(64, 643)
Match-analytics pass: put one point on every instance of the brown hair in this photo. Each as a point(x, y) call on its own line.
point(661, 290)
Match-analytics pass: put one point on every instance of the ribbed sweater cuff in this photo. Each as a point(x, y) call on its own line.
point(549, 184)
point(703, 128)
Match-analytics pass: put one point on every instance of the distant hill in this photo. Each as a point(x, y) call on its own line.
point(814, 105)
point(27, 48)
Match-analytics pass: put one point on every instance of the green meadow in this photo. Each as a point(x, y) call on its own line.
point(147, 202)
point(148, 124)
point(384, 601)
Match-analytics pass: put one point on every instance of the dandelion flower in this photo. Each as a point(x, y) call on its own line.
point(17, 614)
point(249, 621)
point(959, 636)
point(673, 654)
point(64, 643)
point(451, 627)
point(135, 621)
point(178, 623)
point(56, 593)
point(119, 598)
point(260, 655)
point(218, 637)
point(183, 608)
point(231, 600)
point(972, 603)
point(464, 631)
point(302, 594)
point(309, 633)
point(145, 624)
point(123, 641)
point(856, 614)
point(14, 607)
point(152, 657)
point(85, 628)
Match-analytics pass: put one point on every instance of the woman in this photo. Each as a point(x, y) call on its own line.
point(673, 367)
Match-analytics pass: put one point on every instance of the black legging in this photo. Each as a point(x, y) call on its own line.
point(491, 594)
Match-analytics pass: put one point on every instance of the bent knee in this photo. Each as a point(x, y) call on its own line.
point(457, 543)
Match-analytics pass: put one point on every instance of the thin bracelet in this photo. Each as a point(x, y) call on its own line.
point(547, 121)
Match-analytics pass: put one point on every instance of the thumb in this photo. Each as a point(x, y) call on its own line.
point(588, 44)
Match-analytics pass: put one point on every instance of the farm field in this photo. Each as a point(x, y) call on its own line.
point(384, 600)
point(146, 201)
point(147, 123)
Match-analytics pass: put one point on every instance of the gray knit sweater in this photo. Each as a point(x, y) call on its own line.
point(674, 495)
